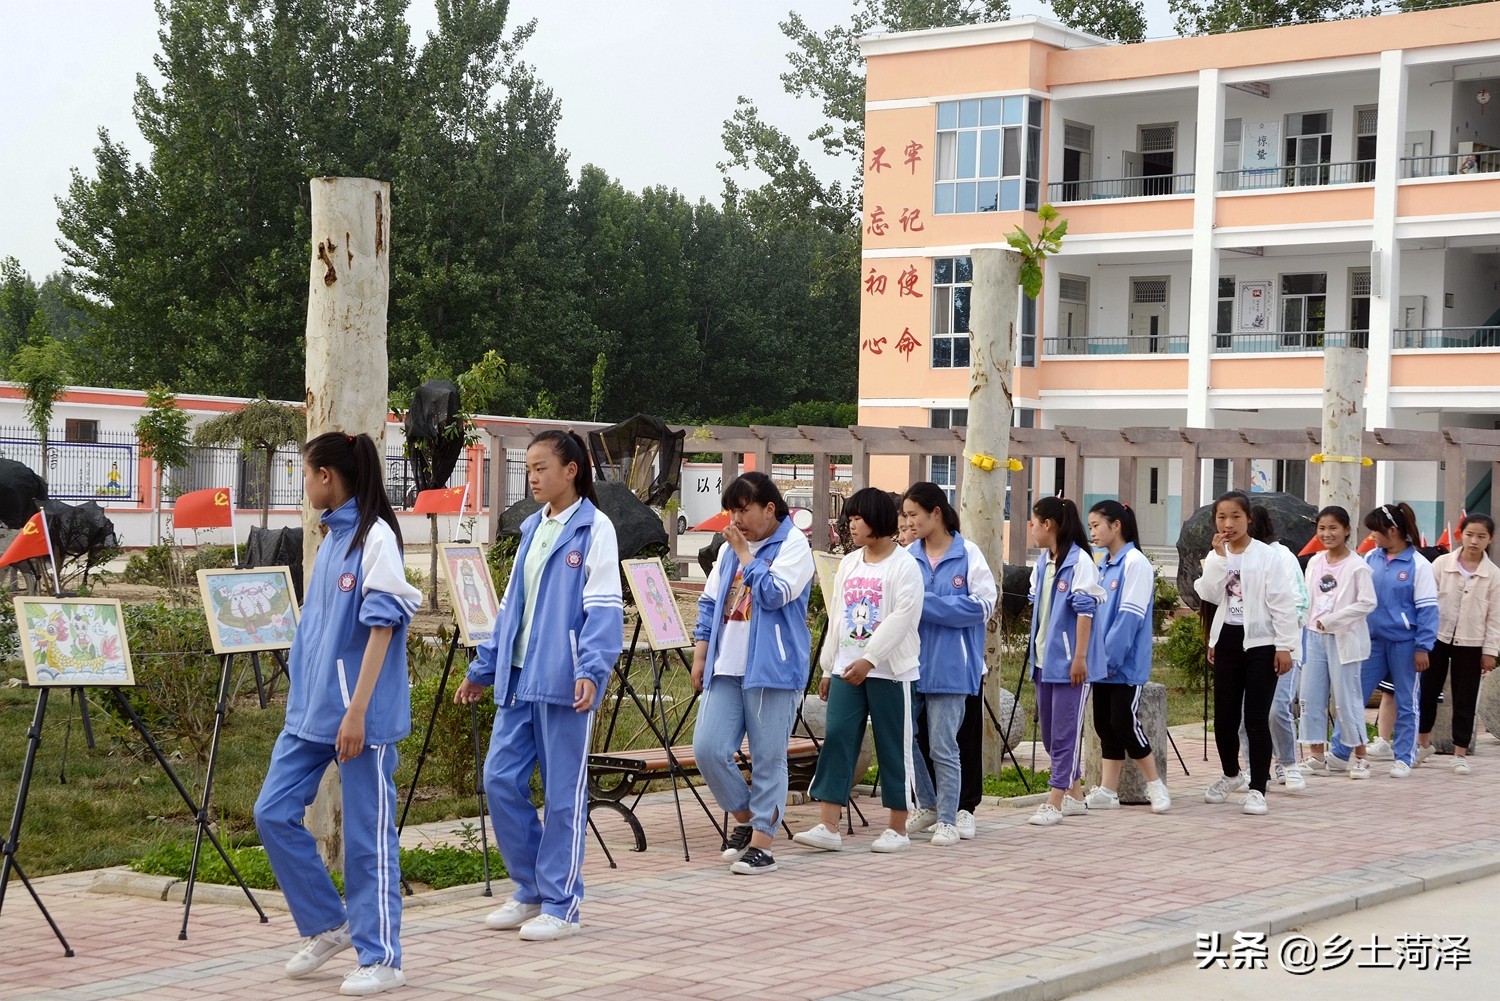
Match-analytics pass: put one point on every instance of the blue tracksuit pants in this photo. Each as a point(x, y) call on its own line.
point(372, 863)
point(1394, 662)
point(543, 857)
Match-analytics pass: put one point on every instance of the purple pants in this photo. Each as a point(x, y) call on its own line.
point(1060, 708)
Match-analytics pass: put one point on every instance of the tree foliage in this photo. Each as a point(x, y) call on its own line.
point(41, 367)
point(1121, 20)
point(1210, 17)
point(259, 428)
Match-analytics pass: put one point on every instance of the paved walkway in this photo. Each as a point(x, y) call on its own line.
point(1020, 912)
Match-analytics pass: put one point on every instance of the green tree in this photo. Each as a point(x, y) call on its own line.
point(41, 367)
point(163, 434)
point(260, 427)
point(1122, 20)
point(19, 302)
point(1212, 17)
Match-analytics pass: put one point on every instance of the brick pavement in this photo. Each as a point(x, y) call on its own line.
point(1020, 912)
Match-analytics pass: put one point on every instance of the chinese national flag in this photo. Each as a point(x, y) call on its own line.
point(31, 543)
point(448, 500)
point(203, 509)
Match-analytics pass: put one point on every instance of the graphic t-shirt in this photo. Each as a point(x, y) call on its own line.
point(864, 604)
point(1330, 583)
point(1234, 590)
point(734, 637)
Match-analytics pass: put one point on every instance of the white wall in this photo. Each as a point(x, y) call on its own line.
point(1338, 94)
point(1116, 121)
point(1470, 121)
point(1474, 280)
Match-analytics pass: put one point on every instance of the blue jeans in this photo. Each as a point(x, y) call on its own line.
point(945, 713)
point(1283, 732)
point(727, 714)
point(1395, 662)
point(1323, 675)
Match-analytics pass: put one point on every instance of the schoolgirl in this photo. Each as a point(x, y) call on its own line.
point(870, 658)
point(750, 660)
point(1120, 658)
point(1403, 627)
point(959, 600)
point(1064, 593)
point(1250, 644)
point(556, 639)
point(1335, 644)
point(1468, 590)
point(349, 702)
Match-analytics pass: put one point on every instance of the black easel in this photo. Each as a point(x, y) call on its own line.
point(13, 837)
point(484, 843)
point(81, 695)
point(200, 812)
point(1005, 745)
point(266, 687)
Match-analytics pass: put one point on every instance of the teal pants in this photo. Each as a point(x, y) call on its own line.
point(887, 704)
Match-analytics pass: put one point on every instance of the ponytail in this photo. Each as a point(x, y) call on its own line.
point(1070, 530)
point(1113, 510)
point(1398, 516)
point(357, 462)
point(568, 447)
point(930, 497)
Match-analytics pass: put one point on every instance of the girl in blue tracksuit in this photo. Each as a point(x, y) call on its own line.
point(1403, 626)
point(959, 601)
point(558, 634)
point(349, 702)
point(1120, 661)
point(751, 657)
point(1064, 593)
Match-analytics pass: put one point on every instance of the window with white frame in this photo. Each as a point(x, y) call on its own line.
point(1304, 310)
point(952, 278)
point(943, 469)
point(1308, 147)
point(1224, 320)
point(989, 155)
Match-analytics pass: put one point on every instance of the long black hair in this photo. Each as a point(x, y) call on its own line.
point(931, 497)
point(568, 447)
point(1070, 528)
point(1398, 516)
point(1113, 510)
point(357, 462)
point(1262, 528)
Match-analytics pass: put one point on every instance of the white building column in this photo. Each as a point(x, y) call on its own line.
point(1385, 252)
point(1203, 289)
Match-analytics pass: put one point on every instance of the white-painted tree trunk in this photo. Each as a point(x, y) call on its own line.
point(1343, 428)
point(347, 372)
point(992, 358)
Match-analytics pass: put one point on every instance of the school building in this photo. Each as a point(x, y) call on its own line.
point(1235, 203)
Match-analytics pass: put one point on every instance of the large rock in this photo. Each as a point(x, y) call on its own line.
point(276, 547)
point(1152, 713)
point(1442, 723)
point(709, 554)
point(1488, 712)
point(637, 527)
point(1294, 519)
point(20, 490)
point(1015, 593)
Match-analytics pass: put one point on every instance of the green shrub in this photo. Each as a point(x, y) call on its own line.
point(1008, 782)
point(1185, 653)
point(169, 565)
point(10, 639)
point(416, 578)
point(1167, 601)
point(450, 758)
point(500, 556)
point(176, 674)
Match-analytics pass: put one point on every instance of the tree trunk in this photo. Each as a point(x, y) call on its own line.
point(1343, 428)
point(432, 582)
point(347, 371)
point(992, 357)
point(265, 490)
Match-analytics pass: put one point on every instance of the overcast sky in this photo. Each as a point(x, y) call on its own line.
point(645, 87)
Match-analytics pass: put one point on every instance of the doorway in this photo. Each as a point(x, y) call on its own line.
point(1151, 501)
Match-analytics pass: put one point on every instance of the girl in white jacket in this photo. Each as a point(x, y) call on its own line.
point(1336, 642)
point(1250, 645)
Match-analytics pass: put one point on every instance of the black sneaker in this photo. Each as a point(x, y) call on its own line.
point(755, 860)
point(737, 842)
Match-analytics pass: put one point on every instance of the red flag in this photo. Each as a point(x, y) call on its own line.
point(446, 500)
point(30, 543)
point(1368, 544)
point(204, 509)
point(1314, 545)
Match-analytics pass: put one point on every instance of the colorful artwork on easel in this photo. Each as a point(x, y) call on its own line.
point(74, 642)
point(471, 591)
point(249, 610)
point(654, 602)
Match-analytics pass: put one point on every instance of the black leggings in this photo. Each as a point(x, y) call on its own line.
point(970, 753)
point(1464, 661)
point(1244, 686)
point(1116, 721)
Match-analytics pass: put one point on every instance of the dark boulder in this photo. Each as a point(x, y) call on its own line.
point(637, 527)
point(276, 547)
point(20, 490)
point(1294, 519)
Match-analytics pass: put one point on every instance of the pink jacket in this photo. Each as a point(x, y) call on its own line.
point(1468, 607)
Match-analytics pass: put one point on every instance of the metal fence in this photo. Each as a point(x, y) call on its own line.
point(1308, 175)
point(1155, 186)
point(1275, 341)
point(78, 470)
point(1446, 337)
point(1131, 344)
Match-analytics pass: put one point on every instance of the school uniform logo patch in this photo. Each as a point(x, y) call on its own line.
point(1113, 584)
point(575, 559)
point(1402, 575)
point(958, 580)
point(1062, 585)
point(346, 582)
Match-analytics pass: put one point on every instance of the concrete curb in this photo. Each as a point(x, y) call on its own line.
point(126, 881)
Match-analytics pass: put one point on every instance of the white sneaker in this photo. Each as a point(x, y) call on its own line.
point(1294, 780)
point(1255, 803)
point(513, 915)
point(373, 979)
point(1359, 768)
point(546, 927)
point(1461, 765)
point(1046, 815)
point(319, 949)
point(1161, 800)
point(1313, 766)
point(1423, 753)
point(1280, 774)
point(944, 835)
point(890, 840)
point(921, 821)
point(1380, 749)
point(1100, 798)
point(966, 826)
point(1220, 788)
point(820, 837)
point(1074, 807)
point(1400, 770)
point(1337, 764)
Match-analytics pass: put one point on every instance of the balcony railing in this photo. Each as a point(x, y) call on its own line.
point(1155, 186)
point(1303, 176)
point(1260, 342)
point(1451, 164)
point(1446, 337)
point(1132, 344)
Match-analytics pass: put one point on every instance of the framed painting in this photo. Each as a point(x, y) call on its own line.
point(471, 590)
point(652, 592)
point(249, 610)
point(71, 642)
